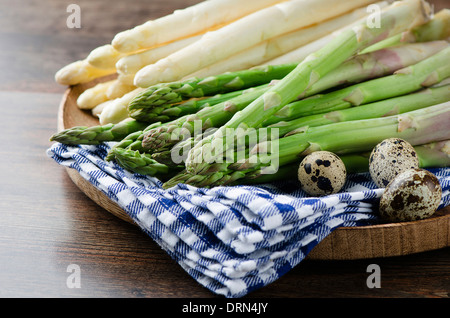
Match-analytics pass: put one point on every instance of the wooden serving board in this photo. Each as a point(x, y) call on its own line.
point(346, 243)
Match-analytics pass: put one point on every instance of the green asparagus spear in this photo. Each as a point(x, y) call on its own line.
point(136, 162)
point(164, 95)
point(166, 113)
point(434, 155)
point(395, 19)
point(431, 155)
point(176, 155)
point(131, 142)
point(97, 134)
point(170, 133)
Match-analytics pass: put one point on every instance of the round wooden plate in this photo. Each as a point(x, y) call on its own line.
point(346, 243)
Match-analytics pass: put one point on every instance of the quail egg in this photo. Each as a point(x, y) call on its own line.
point(414, 194)
point(322, 173)
point(389, 158)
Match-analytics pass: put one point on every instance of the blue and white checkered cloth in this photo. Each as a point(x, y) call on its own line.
point(232, 240)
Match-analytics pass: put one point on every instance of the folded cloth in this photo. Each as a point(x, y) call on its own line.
point(232, 240)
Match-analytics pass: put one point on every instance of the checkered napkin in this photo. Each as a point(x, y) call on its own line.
point(232, 240)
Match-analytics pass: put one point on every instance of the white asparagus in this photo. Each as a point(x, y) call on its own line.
point(242, 34)
point(118, 89)
point(103, 92)
point(80, 72)
point(186, 22)
point(95, 95)
point(104, 57)
point(127, 79)
point(117, 110)
point(280, 45)
point(97, 110)
point(302, 52)
point(132, 63)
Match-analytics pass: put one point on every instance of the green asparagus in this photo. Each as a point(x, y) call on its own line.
point(435, 29)
point(359, 68)
point(395, 19)
point(166, 113)
point(136, 162)
point(425, 73)
point(430, 124)
point(170, 133)
point(176, 155)
point(131, 142)
point(95, 135)
point(387, 107)
point(438, 28)
point(432, 155)
point(164, 95)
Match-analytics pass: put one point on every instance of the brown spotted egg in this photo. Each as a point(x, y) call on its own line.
point(414, 194)
point(322, 173)
point(389, 158)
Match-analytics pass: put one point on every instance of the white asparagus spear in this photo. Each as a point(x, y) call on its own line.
point(104, 57)
point(118, 89)
point(242, 34)
point(117, 110)
point(129, 65)
point(280, 45)
point(95, 95)
point(103, 92)
point(186, 22)
point(127, 79)
point(302, 52)
point(132, 63)
point(97, 110)
point(80, 72)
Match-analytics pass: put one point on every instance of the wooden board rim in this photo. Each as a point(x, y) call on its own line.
point(374, 241)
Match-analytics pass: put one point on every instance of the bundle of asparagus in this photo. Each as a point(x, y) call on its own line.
point(393, 21)
point(339, 91)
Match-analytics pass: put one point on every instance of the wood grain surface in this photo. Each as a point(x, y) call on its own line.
point(47, 223)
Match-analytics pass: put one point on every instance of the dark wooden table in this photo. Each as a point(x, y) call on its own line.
point(47, 223)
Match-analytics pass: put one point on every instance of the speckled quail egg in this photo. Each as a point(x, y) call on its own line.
point(389, 158)
point(322, 173)
point(414, 194)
